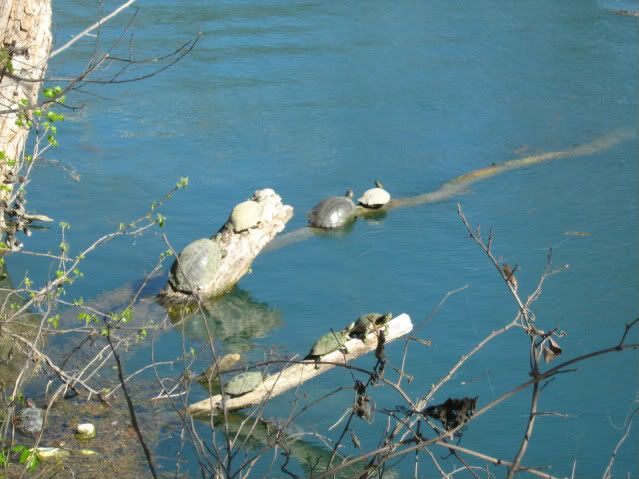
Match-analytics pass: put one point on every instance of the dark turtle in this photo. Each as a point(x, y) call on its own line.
point(333, 212)
point(243, 383)
point(368, 323)
point(30, 420)
point(196, 265)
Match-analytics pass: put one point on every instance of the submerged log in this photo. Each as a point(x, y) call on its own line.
point(295, 374)
point(460, 184)
point(240, 249)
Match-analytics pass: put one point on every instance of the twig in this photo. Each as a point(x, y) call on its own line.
point(87, 30)
point(134, 421)
point(529, 428)
point(608, 472)
point(390, 450)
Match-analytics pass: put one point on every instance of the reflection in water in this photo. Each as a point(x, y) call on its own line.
point(308, 454)
point(235, 318)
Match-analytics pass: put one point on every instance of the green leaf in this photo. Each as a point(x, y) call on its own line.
point(54, 321)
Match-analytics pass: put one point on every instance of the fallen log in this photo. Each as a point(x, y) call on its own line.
point(461, 184)
point(295, 374)
point(240, 249)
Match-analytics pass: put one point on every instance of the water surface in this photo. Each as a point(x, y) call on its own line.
point(311, 98)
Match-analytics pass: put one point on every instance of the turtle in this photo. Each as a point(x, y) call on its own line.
point(369, 323)
point(30, 420)
point(222, 365)
point(245, 215)
point(375, 197)
point(328, 343)
point(333, 212)
point(243, 383)
point(196, 265)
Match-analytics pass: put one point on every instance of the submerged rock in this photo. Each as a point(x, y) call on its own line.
point(30, 420)
point(85, 431)
point(48, 453)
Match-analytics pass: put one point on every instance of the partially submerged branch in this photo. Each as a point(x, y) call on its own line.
point(296, 374)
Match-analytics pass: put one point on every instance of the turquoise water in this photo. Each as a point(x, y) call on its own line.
point(311, 98)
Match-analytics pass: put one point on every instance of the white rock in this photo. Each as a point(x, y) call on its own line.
point(85, 431)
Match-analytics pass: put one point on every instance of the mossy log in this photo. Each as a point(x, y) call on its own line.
point(297, 373)
point(240, 248)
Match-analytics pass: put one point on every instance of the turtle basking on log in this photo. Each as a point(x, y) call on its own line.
point(375, 197)
point(333, 212)
point(208, 268)
point(196, 265)
point(245, 215)
point(369, 323)
point(332, 341)
point(243, 383)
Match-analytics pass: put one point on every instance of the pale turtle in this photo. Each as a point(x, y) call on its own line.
point(328, 343)
point(222, 365)
point(333, 212)
point(195, 266)
point(245, 215)
point(375, 197)
point(368, 323)
point(243, 383)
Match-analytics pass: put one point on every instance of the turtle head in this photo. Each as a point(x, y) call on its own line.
point(349, 193)
point(378, 184)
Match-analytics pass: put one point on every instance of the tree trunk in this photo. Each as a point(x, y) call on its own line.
point(25, 34)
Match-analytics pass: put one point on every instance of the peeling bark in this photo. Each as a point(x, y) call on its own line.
point(25, 31)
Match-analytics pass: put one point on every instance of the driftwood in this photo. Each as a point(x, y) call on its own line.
point(241, 248)
point(294, 375)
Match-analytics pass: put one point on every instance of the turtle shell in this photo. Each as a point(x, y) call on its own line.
point(245, 215)
point(196, 265)
point(243, 383)
point(332, 212)
point(328, 343)
point(369, 322)
point(374, 198)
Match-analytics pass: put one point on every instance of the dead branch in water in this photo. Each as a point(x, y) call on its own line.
point(296, 374)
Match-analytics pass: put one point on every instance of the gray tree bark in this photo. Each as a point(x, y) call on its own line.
point(25, 42)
